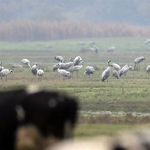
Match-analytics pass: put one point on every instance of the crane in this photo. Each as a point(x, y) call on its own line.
point(115, 74)
point(147, 41)
point(111, 49)
point(89, 70)
point(106, 74)
point(34, 69)
point(40, 73)
point(64, 73)
point(1, 67)
point(76, 68)
point(5, 72)
point(124, 70)
point(93, 49)
point(26, 62)
point(77, 61)
point(137, 61)
point(114, 65)
point(148, 69)
point(59, 58)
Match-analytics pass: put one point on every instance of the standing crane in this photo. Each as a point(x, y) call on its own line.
point(137, 61)
point(5, 72)
point(76, 68)
point(106, 74)
point(40, 73)
point(34, 69)
point(148, 69)
point(1, 67)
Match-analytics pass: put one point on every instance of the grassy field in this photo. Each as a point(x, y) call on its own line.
point(129, 94)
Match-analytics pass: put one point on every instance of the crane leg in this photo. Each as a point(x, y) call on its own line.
point(134, 66)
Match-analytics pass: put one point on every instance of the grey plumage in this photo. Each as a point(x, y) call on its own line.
point(65, 65)
point(55, 67)
point(76, 68)
point(78, 61)
point(5, 72)
point(148, 69)
point(138, 60)
point(89, 70)
point(92, 43)
point(34, 69)
point(114, 65)
point(40, 73)
point(106, 74)
point(59, 58)
point(26, 62)
point(111, 49)
point(17, 66)
point(1, 67)
point(124, 70)
point(93, 49)
point(147, 41)
point(115, 74)
point(64, 73)
point(81, 43)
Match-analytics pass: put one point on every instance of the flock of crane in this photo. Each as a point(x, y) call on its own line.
point(62, 67)
point(76, 64)
point(34, 69)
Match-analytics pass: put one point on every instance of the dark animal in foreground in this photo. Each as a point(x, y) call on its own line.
point(34, 120)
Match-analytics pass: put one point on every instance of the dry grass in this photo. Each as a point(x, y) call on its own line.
point(46, 30)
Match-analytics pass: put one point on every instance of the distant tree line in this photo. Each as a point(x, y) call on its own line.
point(48, 30)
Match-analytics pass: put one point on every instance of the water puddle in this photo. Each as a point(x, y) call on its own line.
point(116, 114)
